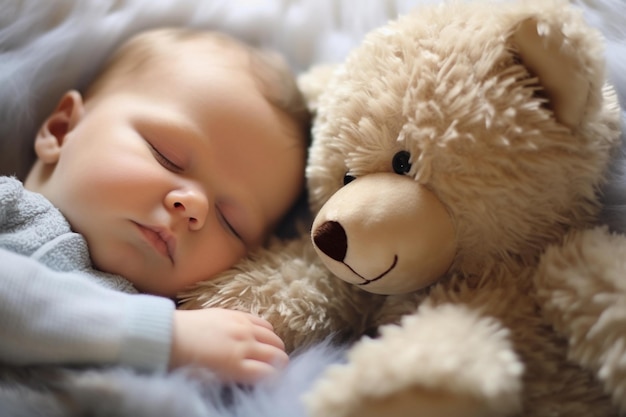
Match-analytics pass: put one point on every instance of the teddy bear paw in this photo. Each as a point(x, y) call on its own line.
point(442, 361)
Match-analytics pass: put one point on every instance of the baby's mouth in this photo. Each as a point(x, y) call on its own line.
point(160, 239)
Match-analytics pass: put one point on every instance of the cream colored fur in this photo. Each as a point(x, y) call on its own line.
point(504, 111)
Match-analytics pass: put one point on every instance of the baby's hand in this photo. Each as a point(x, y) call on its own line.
point(238, 346)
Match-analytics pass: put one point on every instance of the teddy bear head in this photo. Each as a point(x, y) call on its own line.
point(456, 138)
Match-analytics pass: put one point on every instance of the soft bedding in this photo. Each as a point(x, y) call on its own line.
point(47, 47)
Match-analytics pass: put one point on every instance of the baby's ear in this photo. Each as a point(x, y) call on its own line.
point(61, 121)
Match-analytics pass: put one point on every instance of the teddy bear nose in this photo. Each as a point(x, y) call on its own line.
point(330, 237)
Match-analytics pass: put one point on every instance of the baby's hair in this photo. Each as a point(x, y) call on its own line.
point(269, 69)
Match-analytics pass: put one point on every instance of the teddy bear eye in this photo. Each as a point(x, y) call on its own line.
point(348, 179)
point(400, 163)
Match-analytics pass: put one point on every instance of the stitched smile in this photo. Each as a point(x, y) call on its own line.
point(369, 281)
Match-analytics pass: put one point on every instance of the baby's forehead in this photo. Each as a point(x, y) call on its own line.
point(168, 56)
point(205, 50)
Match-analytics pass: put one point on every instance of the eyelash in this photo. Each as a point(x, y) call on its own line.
point(228, 225)
point(163, 160)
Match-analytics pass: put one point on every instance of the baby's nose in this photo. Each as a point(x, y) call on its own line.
point(191, 204)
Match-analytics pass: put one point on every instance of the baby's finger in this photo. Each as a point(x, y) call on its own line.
point(268, 337)
point(259, 321)
point(252, 371)
point(268, 354)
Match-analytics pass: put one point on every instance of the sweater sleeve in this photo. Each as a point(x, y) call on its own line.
point(49, 317)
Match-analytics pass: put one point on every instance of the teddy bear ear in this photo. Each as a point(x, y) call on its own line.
point(314, 81)
point(560, 68)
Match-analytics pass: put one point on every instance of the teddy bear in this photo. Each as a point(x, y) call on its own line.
point(454, 176)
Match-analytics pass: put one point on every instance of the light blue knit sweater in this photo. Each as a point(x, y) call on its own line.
point(30, 225)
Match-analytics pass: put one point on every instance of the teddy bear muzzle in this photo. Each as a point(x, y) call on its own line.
point(385, 233)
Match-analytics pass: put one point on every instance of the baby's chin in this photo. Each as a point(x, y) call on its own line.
point(144, 278)
point(150, 272)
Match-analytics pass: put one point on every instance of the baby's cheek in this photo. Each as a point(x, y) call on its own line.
point(206, 260)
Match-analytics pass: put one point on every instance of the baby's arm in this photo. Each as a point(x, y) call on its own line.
point(49, 317)
point(237, 346)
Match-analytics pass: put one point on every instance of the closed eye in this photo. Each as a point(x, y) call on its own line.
point(227, 225)
point(163, 160)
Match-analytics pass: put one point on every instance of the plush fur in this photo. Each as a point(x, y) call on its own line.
point(474, 137)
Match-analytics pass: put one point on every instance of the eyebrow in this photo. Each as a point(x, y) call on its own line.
point(169, 127)
point(181, 125)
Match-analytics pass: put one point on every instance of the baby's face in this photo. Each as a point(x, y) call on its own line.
point(171, 179)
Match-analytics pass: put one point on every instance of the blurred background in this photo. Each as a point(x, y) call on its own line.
point(50, 46)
